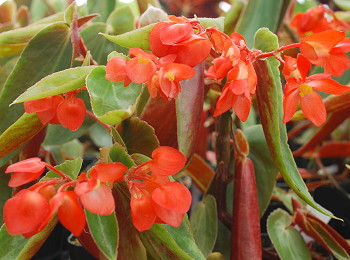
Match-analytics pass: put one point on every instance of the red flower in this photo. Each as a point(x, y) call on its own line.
point(301, 88)
point(25, 212)
point(316, 20)
point(94, 193)
point(141, 68)
point(178, 38)
point(328, 50)
point(241, 84)
point(116, 71)
point(25, 171)
point(154, 199)
point(45, 108)
point(69, 112)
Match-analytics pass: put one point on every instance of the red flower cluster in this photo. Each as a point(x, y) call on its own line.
point(68, 111)
point(317, 19)
point(235, 62)
point(154, 199)
point(30, 210)
point(176, 50)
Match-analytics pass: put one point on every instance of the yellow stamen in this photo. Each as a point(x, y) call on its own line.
point(304, 90)
point(143, 60)
point(171, 76)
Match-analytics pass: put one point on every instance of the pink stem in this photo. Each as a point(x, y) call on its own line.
point(273, 53)
point(56, 171)
point(90, 114)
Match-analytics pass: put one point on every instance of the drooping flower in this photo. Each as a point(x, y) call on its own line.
point(116, 71)
point(71, 113)
point(25, 171)
point(141, 67)
point(328, 50)
point(301, 88)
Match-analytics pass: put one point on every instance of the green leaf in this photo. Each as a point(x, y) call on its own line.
point(102, 7)
point(210, 22)
point(57, 83)
point(99, 46)
point(104, 231)
point(184, 238)
point(5, 191)
point(121, 20)
point(20, 132)
point(70, 168)
point(130, 245)
point(118, 154)
point(287, 240)
point(72, 149)
point(265, 170)
point(49, 51)
point(100, 136)
point(18, 247)
point(21, 35)
point(258, 14)
point(111, 102)
point(269, 96)
point(11, 49)
point(343, 4)
point(265, 40)
point(189, 108)
point(232, 16)
point(138, 136)
point(161, 245)
point(204, 223)
point(136, 38)
point(153, 15)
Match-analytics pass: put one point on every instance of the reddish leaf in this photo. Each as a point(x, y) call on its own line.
point(200, 172)
point(324, 131)
point(335, 150)
point(336, 103)
point(315, 184)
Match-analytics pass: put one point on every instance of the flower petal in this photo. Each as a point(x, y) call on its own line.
point(29, 165)
point(167, 216)
point(167, 161)
point(142, 213)
point(71, 113)
point(313, 108)
point(329, 86)
point(108, 171)
point(174, 196)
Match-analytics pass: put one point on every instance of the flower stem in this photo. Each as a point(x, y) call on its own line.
point(56, 171)
point(273, 53)
point(91, 115)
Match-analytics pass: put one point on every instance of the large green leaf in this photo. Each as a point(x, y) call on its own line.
point(104, 231)
point(21, 35)
point(288, 242)
point(102, 7)
point(265, 169)
point(57, 83)
point(204, 223)
point(70, 168)
point(136, 38)
point(111, 102)
point(269, 96)
point(130, 245)
point(184, 238)
point(49, 51)
point(138, 136)
point(189, 108)
point(161, 245)
point(20, 132)
point(117, 153)
point(258, 14)
point(20, 248)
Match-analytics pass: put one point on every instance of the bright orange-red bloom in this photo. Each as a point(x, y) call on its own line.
point(116, 71)
point(25, 212)
point(25, 171)
point(178, 37)
point(317, 19)
point(154, 199)
point(141, 67)
point(328, 50)
point(301, 88)
point(241, 84)
point(69, 112)
point(94, 193)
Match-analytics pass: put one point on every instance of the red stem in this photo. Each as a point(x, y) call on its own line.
point(90, 114)
point(273, 53)
point(56, 171)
